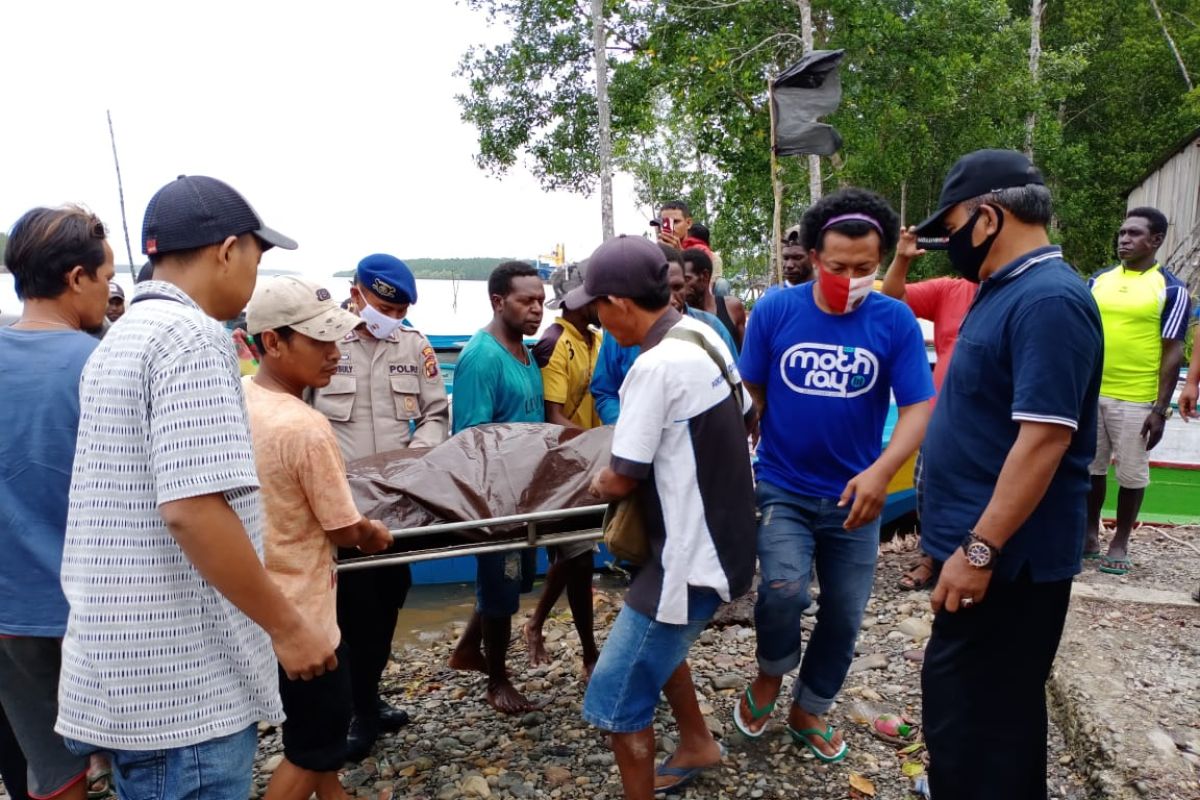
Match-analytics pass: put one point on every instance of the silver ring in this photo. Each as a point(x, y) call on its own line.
point(967, 602)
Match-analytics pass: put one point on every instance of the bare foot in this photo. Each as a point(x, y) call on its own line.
point(467, 658)
point(801, 720)
point(764, 690)
point(588, 668)
point(532, 634)
point(507, 700)
point(709, 755)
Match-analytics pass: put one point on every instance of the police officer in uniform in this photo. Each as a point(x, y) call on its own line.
point(388, 394)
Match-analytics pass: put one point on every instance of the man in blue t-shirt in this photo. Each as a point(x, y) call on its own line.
point(1005, 480)
point(821, 361)
point(498, 380)
point(62, 265)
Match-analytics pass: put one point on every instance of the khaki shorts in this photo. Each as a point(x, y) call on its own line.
point(1119, 438)
point(565, 552)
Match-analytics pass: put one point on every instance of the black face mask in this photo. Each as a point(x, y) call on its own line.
point(966, 258)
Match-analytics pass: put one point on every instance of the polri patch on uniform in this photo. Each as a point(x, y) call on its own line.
point(431, 364)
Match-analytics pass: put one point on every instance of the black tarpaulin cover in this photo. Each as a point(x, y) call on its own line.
point(809, 89)
point(487, 471)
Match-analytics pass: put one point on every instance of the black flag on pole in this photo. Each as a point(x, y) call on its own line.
point(808, 89)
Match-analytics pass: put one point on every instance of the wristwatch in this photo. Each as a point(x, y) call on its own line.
point(980, 554)
point(1162, 411)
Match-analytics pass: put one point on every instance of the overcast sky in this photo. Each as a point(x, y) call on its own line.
point(338, 122)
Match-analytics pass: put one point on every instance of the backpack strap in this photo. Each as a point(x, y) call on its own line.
point(698, 339)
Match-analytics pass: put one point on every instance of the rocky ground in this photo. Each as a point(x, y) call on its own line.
point(1126, 685)
point(1126, 691)
point(457, 747)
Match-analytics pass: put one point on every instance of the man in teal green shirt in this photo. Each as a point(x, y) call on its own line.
point(497, 380)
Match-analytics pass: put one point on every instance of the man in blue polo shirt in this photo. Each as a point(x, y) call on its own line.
point(1006, 480)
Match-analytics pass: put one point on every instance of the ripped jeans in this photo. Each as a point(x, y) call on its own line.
point(796, 533)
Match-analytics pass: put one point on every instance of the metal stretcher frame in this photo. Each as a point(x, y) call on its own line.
point(532, 538)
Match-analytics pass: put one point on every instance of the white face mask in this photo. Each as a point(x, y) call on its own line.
point(378, 324)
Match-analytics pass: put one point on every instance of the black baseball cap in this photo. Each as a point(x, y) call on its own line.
point(624, 266)
point(195, 211)
point(979, 173)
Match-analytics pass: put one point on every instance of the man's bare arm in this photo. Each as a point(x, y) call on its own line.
point(212, 537)
point(1023, 481)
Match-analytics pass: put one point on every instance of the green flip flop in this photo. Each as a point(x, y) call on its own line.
point(801, 737)
point(1092, 555)
point(756, 714)
point(1115, 566)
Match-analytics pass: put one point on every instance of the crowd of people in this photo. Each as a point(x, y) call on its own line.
point(174, 527)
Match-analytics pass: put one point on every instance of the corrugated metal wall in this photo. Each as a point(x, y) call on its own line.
point(1175, 190)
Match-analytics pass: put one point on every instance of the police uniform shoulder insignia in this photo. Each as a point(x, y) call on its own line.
point(430, 359)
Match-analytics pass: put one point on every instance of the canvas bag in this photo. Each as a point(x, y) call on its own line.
point(624, 522)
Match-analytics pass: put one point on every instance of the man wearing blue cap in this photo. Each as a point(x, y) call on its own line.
point(387, 395)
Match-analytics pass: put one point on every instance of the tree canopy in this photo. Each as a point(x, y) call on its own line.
point(924, 82)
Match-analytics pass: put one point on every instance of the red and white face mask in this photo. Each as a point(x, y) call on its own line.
point(842, 294)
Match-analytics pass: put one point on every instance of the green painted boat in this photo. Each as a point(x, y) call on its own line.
point(1172, 498)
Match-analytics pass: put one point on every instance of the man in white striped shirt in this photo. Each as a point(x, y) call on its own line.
point(167, 659)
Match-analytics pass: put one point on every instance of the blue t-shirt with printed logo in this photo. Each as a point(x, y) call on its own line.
point(828, 380)
point(492, 385)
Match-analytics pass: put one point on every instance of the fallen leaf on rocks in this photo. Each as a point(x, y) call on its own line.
point(912, 748)
point(861, 784)
point(912, 769)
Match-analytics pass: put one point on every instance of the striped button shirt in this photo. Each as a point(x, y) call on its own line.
point(155, 657)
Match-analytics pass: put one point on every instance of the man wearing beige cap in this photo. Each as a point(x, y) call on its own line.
point(309, 512)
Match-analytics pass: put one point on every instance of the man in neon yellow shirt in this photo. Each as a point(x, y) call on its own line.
point(1145, 313)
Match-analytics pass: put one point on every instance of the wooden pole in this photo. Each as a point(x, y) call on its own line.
point(814, 161)
point(777, 191)
point(121, 194)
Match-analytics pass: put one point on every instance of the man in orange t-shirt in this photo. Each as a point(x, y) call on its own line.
point(309, 512)
point(944, 302)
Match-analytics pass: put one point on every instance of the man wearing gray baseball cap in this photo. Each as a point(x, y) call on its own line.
point(309, 512)
point(680, 443)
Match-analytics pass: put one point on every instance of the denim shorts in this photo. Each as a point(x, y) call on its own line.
point(501, 578)
point(637, 660)
point(218, 769)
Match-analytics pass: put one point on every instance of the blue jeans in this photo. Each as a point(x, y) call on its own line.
point(219, 769)
point(796, 533)
point(638, 659)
